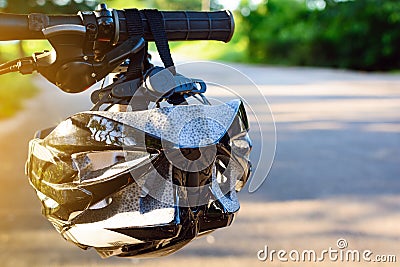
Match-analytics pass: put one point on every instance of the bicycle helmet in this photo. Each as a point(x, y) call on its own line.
point(142, 183)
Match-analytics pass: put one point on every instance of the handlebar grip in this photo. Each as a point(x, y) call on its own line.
point(179, 25)
point(190, 25)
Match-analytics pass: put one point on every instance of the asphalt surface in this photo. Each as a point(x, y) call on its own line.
point(336, 172)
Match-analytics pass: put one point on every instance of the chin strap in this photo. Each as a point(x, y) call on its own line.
point(157, 28)
point(135, 29)
point(122, 91)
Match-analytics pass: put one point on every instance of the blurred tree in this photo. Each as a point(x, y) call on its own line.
point(274, 28)
point(358, 34)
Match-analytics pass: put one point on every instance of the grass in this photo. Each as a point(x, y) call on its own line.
point(14, 88)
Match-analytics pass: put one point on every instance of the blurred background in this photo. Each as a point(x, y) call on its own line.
point(330, 70)
point(355, 34)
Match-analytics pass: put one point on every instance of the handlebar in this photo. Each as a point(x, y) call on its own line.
point(92, 44)
point(179, 25)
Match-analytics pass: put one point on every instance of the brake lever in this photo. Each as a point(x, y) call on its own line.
point(25, 65)
point(73, 69)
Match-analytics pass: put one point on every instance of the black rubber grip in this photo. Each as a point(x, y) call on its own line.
point(179, 25)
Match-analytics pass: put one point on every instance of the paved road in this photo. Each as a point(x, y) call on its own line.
point(335, 175)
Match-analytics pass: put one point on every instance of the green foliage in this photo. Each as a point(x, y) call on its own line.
point(273, 31)
point(360, 34)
